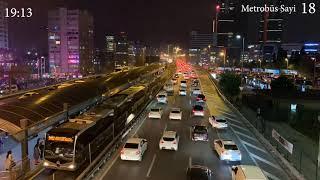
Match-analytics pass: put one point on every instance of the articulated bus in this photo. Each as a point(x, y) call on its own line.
point(77, 142)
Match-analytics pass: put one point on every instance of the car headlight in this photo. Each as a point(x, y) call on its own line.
point(45, 164)
point(71, 166)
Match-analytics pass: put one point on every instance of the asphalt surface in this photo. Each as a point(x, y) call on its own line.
point(164, 164)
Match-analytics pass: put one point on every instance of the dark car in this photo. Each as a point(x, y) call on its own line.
point(200, 133)
point(197, 172)
point(201, 98)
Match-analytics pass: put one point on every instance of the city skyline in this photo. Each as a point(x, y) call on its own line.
point(144, 21)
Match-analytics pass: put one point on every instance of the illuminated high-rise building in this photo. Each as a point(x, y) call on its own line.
point(4, 40)
point(70, 37)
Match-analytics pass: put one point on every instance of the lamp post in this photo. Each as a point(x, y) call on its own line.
point(314, 69)
point(242, 52)
point(224, 59)
point(287, 60)
point(217, 13)
point(260, 62)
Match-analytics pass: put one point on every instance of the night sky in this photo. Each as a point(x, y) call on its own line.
point(150, 21)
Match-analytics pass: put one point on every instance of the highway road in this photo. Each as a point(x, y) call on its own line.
point(163, 164)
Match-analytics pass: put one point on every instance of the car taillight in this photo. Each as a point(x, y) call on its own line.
point(174, 142)
point(122, 151)
point(193, 111)
point(138, 152)
point(162, 142)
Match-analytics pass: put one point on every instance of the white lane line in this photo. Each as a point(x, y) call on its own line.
point(190, 161)
point(240, 127)
point(190, 134)
point(242, 134)
point(151, 165)
point(227, 113)
point(253, 146)
point(232, 119)
point(265, 161)
point(270, 175)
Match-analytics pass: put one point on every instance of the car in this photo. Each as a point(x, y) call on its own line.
point(247, 172)
point(197, 172)
point(200, 133)
point(227, 150)
point(134, 149)
point(155, 113)
point(198, 110)
point(52, 88)
point(169, 88)
point(169, 140)
point(6, 89)
point(194, 84)
point(182, 92)
point(196, 91)
point(162, 98)
point(218, 122)
point(175, 114)
point(28, 94)
point(183, 83)
point(201, 98)
point(176, 75)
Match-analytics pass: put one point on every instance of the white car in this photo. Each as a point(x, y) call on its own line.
point(6, 89)
point(247, 172)
point(196, 91)
point(227, 150)
point(183, 83)
point(155, 113)
point(218, 122)
point(182, 92)
point(28, 94)
point(162, 98)
point(169, 140)
point(134, 149)
point(175, 114)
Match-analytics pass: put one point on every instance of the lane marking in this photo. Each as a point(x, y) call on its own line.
point(190, 161)
point(240, 127)
point(245, 147)
point(151, 165)
point(242, 134)
point(265, 161)
point(270, 175)
point(253, 146)
point(227, 113)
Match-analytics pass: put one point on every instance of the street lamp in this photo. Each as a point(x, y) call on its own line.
point(224, 59)
point(287, 60)
point(242, 52)
point(217, 13)
point(260, 62)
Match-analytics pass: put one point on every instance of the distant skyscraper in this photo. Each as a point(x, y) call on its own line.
point(201, 40)
point(110, 44)
point(270, 31)
point(4, 42)
point(122, 45)
point(70, 37)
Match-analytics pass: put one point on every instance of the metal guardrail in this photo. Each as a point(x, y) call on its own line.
point(289, 170)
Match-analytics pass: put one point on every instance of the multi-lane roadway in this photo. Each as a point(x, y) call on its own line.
point(163, 164)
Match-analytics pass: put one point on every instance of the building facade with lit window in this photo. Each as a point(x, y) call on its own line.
point(4, 38)
point(122, 49)
point(70, 38)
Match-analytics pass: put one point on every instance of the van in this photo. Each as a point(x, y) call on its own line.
point(6, 89)
point(247, 172)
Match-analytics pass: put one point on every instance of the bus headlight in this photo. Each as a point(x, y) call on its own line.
point(45, 164)
point(71, 166)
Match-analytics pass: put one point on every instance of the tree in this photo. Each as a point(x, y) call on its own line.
point(230, 83)
point(282, 86)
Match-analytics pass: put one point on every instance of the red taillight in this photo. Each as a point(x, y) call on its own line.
point(193, 111)
point(122, 151)
point(174, 142)
point(162, 142)
point(138, 152)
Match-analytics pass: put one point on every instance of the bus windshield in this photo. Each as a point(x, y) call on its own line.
point(59, 150)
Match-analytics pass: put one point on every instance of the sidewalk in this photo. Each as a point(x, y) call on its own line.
point(305, 150)
point(11, 144)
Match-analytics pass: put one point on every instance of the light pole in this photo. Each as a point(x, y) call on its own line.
point(287, 60)
point(242, 52)
point(224, 59)
point(217, 13)
point(314, 69)
point(260, 62)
